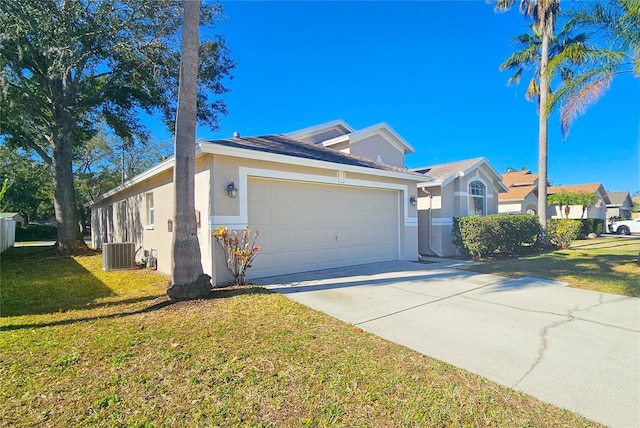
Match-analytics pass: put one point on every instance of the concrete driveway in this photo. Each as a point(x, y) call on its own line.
point(574, 348)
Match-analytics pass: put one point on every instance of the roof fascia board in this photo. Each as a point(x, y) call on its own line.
point(313, 163)
point(161, 167)
point(466, 171)
point(317, 129)
point(379, 128)
point(433, 183)
point(336, 140)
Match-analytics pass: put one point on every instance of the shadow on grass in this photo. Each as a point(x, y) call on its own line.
point(615, 273)
point(154, 307)
point(38, 280)
point(160, 302)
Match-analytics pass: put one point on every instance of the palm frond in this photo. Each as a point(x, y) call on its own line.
point(532, 90)
point(515, 79)
point(576, 103)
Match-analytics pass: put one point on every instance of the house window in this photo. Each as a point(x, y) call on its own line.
point(476, 198)
point(150, 209)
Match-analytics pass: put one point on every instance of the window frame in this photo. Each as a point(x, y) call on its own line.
point(474, 196)
point(150, 210)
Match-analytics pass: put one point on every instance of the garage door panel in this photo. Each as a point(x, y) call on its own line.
point(259, 192)
point(307, 226)
point(262, 215)
point(283, 239)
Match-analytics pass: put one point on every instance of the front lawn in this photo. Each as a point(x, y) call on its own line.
point(603, 264)
point(83, 347)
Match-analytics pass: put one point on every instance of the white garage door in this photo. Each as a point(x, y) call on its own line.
point(305, 226)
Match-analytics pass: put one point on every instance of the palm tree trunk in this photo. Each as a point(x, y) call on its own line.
point(543, 134)
point(188, 280)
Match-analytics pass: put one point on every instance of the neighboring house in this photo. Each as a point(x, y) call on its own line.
point(315, 204)
point(619, 205)
point(20, 221)
point(468, 187)
point(598, 210)
point(522, 193)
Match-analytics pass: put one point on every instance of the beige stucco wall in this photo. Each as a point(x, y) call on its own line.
point(450, 200)
point(213, 174)
point(376, 145)
point(521, 207)
point(131, 225)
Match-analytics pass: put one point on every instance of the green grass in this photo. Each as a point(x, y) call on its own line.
point(83, 347)
point(603, 264)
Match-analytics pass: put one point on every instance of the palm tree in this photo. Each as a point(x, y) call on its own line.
point(615, 25)
point(563, 199)
point(586, 200)
point(544, 14)
point(187, 277)
point(528, 58)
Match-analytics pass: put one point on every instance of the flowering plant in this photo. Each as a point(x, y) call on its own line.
point(240, 250)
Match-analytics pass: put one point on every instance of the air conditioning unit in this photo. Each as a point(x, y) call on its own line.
point(119, 255)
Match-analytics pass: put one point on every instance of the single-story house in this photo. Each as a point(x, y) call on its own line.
point(598, 210)
point(522, 193)
point(619, 205)
point(468, 187)
point(20, 221)
point(322, 197)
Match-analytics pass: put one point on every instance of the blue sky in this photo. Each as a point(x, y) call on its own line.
point(427, 68)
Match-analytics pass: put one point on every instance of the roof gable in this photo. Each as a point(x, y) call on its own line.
point(517, 193)
point(386, 132)
point(618, 199)
point(519, 178)
point(331, 129)
point(445, 173)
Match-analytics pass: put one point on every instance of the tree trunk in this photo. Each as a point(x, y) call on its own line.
point(542, 136)
point(188, 280)
point(64, 195)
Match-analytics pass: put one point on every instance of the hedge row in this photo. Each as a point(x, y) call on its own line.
point(36, 233)
point(590, 225)
point(506, 234)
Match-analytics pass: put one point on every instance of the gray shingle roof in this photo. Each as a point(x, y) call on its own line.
point(618, 198)
point(279, 144)
point(443, 171)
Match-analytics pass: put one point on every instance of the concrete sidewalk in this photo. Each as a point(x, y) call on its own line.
point(574, 348)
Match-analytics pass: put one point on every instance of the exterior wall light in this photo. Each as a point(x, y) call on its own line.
point(413, 200)
point(232, 190)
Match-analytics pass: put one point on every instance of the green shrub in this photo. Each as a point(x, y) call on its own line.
point(590, 225)
point(503, 234)
point(36, 233)
point(563, 232)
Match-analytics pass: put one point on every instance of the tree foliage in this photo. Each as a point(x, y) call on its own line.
point(544, 14)
point(614, 48)
point(565, 199)
point(67, 66)
point(28, 190)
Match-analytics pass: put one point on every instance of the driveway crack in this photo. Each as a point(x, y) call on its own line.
point(425, 304)
point(544, 342)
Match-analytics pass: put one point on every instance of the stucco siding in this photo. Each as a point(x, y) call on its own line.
point(376, 145)
point(128, 219)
